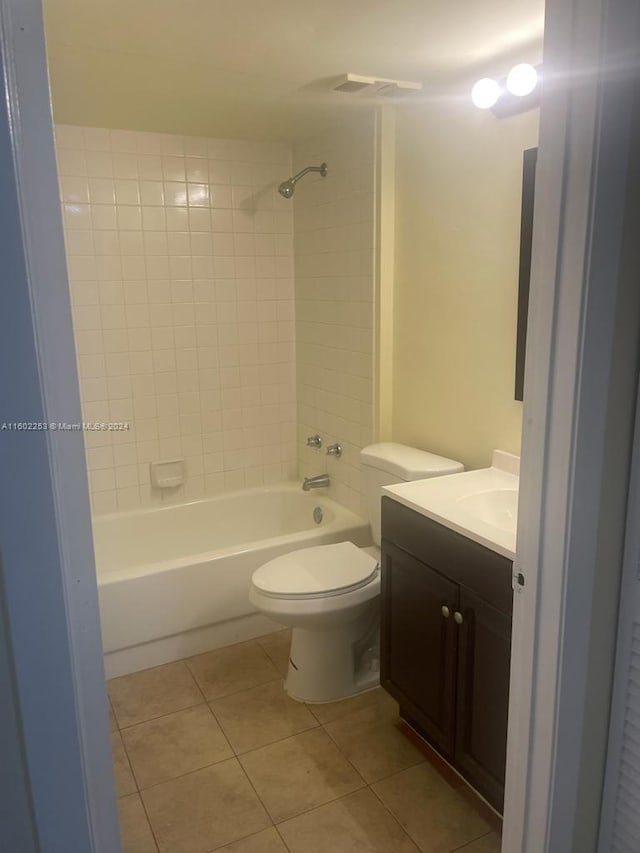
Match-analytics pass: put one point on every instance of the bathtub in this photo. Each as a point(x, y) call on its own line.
point(174, 580)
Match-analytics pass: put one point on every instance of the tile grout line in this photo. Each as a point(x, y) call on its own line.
point(185, 661)
point(221, 727)
point(160, 716)
point(222, 648)
point(305, 811)
point(281, 837)
point(390, 812)
point(188, 773)
point(239, 755)
point(473, 802)
point(366, 785)
point(151, 829)
point(243, 690)
point(130, 765)
point(344, 755)
point(266, 810)
point(374, 781)
point(397, 819)
point(244, 838)
point(187, 707)
point(204, 698)
point(111, 709)
point(469, 843)
point(234, 754)
point(254, 789)
point(344, 797)
point(126, 753)
point(319, 806)
point(139, 794)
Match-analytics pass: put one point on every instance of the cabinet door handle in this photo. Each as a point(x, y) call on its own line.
point(458, 617)
point(445, 611)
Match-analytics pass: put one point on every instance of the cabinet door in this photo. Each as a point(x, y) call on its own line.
point(484, 652)
point(419, 643)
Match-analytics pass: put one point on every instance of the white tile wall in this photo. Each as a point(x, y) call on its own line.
point(334, 259)
point(180, 258)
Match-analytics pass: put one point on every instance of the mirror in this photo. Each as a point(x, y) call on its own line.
point(529, 161)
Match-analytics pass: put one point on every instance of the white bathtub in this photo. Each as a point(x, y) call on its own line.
point(174, 580)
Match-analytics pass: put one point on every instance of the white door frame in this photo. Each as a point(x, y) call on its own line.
point(580, 385)
point(48, 595)
point(48, 578)
point(614, 817)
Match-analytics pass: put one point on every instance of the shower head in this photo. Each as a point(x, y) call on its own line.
point(287, 188)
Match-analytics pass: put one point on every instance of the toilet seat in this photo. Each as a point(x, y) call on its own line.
point(317, 572)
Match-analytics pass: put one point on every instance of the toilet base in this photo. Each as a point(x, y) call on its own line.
point(325, 666)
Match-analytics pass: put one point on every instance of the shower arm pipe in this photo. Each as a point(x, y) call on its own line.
point(322, 168)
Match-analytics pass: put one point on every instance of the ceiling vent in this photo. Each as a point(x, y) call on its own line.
point(354, 84)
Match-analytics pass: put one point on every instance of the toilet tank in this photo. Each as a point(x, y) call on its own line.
point(388, 463)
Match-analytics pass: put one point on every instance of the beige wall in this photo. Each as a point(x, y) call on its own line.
point(457, 214)
point(334, 290)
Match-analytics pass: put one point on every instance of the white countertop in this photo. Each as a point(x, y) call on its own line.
point(464, 502)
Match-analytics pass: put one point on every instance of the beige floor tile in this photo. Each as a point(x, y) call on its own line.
point(490, 843)
point(231, 669)
point(173, 745)
point(261, 715)
point(299, 773)
point(112, 719)
point(434, 814)
point(358, 822)
point(264, 842)
point(204, 810)
point(152, 693)
point(277, 646)
point(125, 783)
point(372, 743)
point(329, 711)
point(135, 831)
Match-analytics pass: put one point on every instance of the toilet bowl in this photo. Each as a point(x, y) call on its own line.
point(333, 614)
point(329, 595)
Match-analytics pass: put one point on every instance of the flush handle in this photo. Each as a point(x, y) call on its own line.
point(445, 611)
point(458, 618)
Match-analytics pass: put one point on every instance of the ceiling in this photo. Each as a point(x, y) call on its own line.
point(262, 69)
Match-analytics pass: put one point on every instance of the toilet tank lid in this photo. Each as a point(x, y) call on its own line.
point(407, 463)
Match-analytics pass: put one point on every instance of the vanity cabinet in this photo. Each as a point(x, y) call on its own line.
point(413, 623)
point(446, 642)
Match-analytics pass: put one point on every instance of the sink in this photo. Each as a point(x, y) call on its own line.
point(497, 507)
point(481, 504)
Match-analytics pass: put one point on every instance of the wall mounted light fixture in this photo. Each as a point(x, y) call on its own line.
point(516, 93)
point(485, 93)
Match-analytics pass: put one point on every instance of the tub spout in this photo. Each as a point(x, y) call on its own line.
point(319, 482)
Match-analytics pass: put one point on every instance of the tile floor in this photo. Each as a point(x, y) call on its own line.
point(210, 754)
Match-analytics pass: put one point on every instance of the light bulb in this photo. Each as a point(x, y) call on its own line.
point(522, 79)
point(485, 93)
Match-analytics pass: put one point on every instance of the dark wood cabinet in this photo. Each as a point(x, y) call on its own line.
point(446, 642)
point(484, 652)
point(423, 683)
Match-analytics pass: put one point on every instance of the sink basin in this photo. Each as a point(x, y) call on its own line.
point(481, 505)
point(497, 507)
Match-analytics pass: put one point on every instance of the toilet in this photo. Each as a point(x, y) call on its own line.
point(329, 594)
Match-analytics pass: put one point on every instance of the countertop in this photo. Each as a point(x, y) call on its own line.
point(442, 499)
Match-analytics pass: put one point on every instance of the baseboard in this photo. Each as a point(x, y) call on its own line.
point(168, 649)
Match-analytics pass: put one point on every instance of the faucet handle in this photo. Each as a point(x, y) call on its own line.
point(314, 441)
point(335, 450)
